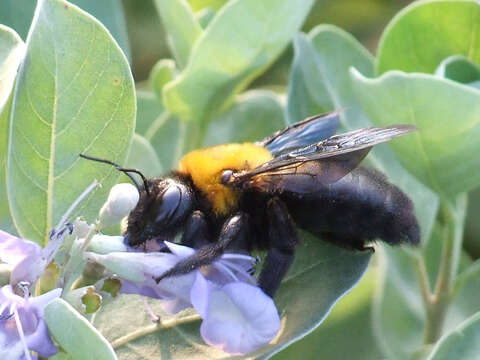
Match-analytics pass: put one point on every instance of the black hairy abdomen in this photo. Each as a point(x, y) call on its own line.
point(361, 207)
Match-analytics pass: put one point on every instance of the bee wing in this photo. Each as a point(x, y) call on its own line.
point(303, 170)
point(302, 133)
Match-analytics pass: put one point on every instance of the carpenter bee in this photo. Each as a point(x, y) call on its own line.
point(254, 196)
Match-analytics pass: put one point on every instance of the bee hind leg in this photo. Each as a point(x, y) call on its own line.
point(283, 238)
point(233, 228)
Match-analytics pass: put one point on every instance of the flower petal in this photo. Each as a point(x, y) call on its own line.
point(41, 302)
point(180, 250)
point(13, 249)
point(199, 294)
point(240, 319)
point(40, 341)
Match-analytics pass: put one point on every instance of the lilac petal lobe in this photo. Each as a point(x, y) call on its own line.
point(179, 250)
point(240, 319)
point(13, 249)
point(41, 342)
point(199, 294)
point(40, 302)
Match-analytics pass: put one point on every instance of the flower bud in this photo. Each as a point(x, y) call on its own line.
point(122, 199)
point(104, 244)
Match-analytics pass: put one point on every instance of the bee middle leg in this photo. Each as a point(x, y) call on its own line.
point(196, 233)
point(283, 238)
point(234, 230)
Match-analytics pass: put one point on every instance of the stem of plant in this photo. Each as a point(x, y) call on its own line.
point(437, 303)
point(144, 331)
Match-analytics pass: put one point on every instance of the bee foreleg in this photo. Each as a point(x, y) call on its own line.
point(196, 232)
point(283, 238)
point(232, 229)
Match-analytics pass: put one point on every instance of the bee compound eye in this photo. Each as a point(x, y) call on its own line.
point(226, 176)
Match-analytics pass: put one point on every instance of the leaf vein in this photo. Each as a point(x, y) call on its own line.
point(19, 130)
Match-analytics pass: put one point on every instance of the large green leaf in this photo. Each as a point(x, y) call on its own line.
point(181, 27)
point(320, 275)
point(426, 32)
point(77, 337)
point(321, 79)
point(6, 221)
point(254, 115)
point(11, 53)
point(74, 94)
point(463, 343)
point(18, 15)
point(246, 36)
point(447, 115)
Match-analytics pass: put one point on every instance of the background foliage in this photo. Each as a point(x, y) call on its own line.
point(199, 80)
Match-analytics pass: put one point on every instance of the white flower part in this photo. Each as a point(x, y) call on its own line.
point(104, 244)
point(237, 317)
point(121, 200)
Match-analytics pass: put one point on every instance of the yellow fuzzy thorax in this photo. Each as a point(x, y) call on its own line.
point(205, 167)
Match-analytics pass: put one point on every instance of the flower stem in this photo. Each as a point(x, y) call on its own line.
point(437, 303)
point(161, 325)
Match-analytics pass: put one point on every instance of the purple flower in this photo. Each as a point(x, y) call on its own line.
point(22, 327)
point(252, 319)
point(238, 317)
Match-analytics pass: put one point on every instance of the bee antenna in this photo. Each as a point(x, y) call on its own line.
point(124, 170)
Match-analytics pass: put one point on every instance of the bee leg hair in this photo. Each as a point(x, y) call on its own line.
point(283, 238)
point(234, 227)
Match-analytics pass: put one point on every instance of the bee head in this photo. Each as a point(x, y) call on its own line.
point(160, 212)
point(163, 206)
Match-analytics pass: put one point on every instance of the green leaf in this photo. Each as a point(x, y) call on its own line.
point(205, 17)
point(254, 115)
point(74, 94)
point(320, 76)
point(142, 156)
point(11, 53)
point(447, 115)
point(459, 69)
point(18, 15)
point(75, 334)
point(463, 343)
point(399, 315)
point(181, 26)
point(149, 108)
point(111, 14)
point(6, 221)
point(167, 134)
point(12, 50)
point(350, 321)
point(319, 79)
point(260, 30)
point(320, 276)
point(162, 73)
point(426, 32)
point(215, 5)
